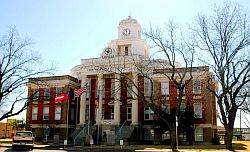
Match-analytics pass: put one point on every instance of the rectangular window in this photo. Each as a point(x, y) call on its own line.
point(58, 91)
point(113, 87)
point(165, 88)
point(45, 113)
point(182, 136)
point(198, 134)
point(182, 107)
point(148, 113)
point(87, 88)
point(103, 113)
point(179, 91)
point(112, 113)
point(72, 114)
point(58, 110)
point(166, 108)
point(35, 94)
point(3, 133)
point(34, 113)
point(87, 113)
point(197, 110)
point(196, 86)
point(147, 87)
point(129, 113)
point(129, 90)
point(47, 93)
point(126, 51)
point(8, 133)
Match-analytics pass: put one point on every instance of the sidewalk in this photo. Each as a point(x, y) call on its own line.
point(105, 148)
point(35, 145)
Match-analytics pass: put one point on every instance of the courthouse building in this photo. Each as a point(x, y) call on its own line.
point(111, 105)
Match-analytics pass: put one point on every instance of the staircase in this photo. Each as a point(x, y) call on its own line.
point(123, 133)
point(81, 134)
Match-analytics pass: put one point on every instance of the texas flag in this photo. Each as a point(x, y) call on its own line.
point(61, 97)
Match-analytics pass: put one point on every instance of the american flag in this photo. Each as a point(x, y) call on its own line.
point(80, 91)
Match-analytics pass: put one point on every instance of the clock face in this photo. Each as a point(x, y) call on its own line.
point(108, 51)
point(126, 32)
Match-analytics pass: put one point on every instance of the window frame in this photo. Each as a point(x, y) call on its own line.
point(198, 116)
point(148, 112)
point(129, 114)
point(178, 92)
point(198, 134)
point(129, 90)
point(126, 52)
point(58, 113)
point(112, 113)
point(58, 91)
point(87, 87)
point(112, 88)
point(197, 86)
point(165, 88)
point(34, 115)
point(166, 110)
point(46, 113)
point(46, 93)
point(147, 87)
point(35, 94)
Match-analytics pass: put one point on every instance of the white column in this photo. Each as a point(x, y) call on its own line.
point(83, 103)
point(117, 99)
point(100, 89)
point(135, 100)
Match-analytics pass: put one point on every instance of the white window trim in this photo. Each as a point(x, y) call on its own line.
point(167, 110)
point(165, 88)
point(58, 92)
point(34, 113)
point(129, 90)
point(58, 112)
point(45, 113)
point(198, 134)
point(147, 87)
point(35, 94)
point(129, 113)
point(45, 95)
point(87, 88)
point(197, 114)
point(196, 89)
point(179, 91)
point(149, 112)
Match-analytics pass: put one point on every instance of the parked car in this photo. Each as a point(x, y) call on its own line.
point(23, 139)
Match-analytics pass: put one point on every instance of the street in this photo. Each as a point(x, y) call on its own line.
point(8, 149)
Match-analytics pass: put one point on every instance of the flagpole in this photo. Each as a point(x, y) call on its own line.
point(67, 121)
point(76, 110)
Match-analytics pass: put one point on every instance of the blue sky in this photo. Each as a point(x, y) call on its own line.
point(65, 31)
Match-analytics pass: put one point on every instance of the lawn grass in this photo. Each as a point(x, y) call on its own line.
point(6, 140)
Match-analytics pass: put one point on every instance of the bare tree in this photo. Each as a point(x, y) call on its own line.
point(174, 47)
point(17, 63)
point(224, 39)
point(171, 47)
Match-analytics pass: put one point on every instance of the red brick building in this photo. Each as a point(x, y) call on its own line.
point(44, 114)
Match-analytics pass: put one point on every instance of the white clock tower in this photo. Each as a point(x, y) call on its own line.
point(129, 42)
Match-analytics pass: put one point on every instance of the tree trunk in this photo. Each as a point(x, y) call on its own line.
point(228, 140)
point(173, 138)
